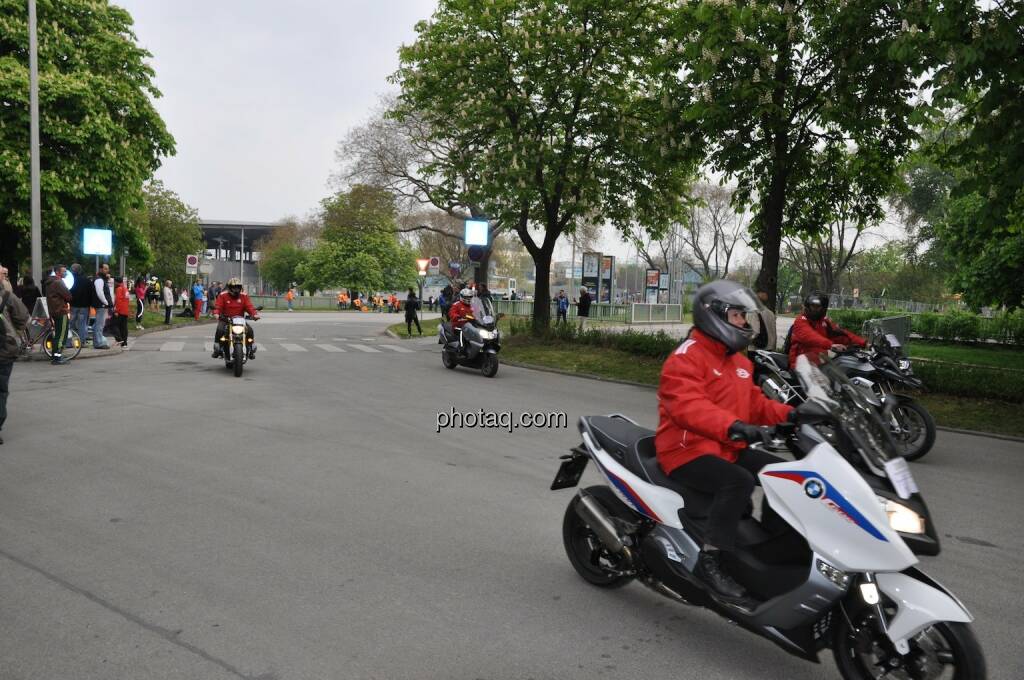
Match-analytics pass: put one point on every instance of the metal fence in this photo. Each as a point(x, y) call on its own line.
point(837, 301)
point(598, 311)
point(651, 313)
point(300, 302)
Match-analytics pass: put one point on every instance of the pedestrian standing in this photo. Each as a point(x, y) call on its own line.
point(28, 292)
point(168, 293)
point(211, 297)
point(197, 299)
point(412, 305)
point(102, 303)
point(122, 310)
point(583, 307)
point(563, 307)
point(58, 302)
point(81, 300)
point(13, 321)
point(140, 301)
point(289, 296)
point(183, 298)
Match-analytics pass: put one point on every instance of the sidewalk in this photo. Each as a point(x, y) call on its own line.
point(88, 352)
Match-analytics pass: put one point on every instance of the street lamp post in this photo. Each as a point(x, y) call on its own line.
point(33, 88)
point(422, 266)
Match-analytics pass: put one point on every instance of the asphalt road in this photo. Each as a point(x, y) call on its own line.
point(163, 519)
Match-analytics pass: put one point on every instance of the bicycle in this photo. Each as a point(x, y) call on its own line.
point(44, 338)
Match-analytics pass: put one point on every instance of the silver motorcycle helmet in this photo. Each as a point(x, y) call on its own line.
point(711, 306)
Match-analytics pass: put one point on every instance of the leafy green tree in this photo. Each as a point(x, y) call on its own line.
point(171, 231)
point(100, 136)
point(280, 266)
point(976, 71)
point(803, 104)
point(552, 114)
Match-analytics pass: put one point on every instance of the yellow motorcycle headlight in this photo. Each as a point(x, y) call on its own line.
point(238, 329)
point(902, 518)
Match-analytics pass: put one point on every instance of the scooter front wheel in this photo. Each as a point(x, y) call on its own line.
point(916, 434)
point(944, 650)
point(490, 366)
point(586, 553)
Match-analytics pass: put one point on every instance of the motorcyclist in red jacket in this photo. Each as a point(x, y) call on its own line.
point(709, 410)
point(233, 302)
point(460, 312)
point(813, 333)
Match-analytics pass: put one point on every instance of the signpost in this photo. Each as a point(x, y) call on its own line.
point(192, 264)
point(591, 269)
point(97, 242)
point(652, 283)
point(422, 266)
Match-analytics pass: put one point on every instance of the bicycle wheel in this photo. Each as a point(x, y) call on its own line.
point(73, 346)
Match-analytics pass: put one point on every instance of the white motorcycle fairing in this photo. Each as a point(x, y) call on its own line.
point(831, 505)
point(919, 605)
point(660, 504)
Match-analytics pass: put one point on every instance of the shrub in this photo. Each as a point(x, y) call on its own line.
point(965, 380)
point(962, 326)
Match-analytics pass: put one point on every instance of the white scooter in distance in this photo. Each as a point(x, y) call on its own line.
point(828, 567)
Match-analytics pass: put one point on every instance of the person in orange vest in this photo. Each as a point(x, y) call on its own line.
point(341, 301)
point(289, 296)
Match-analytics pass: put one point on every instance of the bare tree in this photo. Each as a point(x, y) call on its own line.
point(822, 259)
point(392, 154)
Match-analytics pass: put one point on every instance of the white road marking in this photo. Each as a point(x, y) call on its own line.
point(208, 346)
point(364, 348)
point(398, 349)
point(172, 347)
point(291, 347)
point(340, 339)
point(330, 348)
point(310, 339)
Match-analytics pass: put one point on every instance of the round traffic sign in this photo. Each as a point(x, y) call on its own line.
point(435, 262)
point(192, 260)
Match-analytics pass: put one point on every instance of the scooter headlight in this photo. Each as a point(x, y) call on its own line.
point(904, 364)
point(902, 518)
point(238, 329)
point(487, 335)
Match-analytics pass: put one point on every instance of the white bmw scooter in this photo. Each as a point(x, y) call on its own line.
point(832, 565)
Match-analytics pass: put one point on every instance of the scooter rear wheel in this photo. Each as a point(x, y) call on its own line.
point(448, 359)
point(584, 549)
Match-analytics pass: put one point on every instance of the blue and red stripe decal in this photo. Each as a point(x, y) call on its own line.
point(632, 496)
point(839, 502)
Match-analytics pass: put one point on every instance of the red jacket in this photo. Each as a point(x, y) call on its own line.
point(458, 313)
point(814, 337)
point(702, 392)
point(228, 306)
point(122, 305)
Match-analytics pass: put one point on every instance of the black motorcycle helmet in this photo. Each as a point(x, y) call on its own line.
point(711, 307)
point(816, 306)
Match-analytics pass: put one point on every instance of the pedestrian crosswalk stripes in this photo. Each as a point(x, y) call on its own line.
point(197, 344)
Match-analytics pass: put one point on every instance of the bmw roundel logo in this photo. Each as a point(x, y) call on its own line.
point(814, 488)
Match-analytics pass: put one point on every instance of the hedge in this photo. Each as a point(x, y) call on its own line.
point(1005, 327)
point(969, 380)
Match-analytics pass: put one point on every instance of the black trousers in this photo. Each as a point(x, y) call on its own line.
point(120, 328)
point(167, 314)
point(5, 379)
point(409, 321)
point(731, 484)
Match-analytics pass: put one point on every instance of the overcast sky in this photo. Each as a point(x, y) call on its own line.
point(258, 92)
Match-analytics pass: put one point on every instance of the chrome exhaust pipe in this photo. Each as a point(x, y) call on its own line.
point(591, 512)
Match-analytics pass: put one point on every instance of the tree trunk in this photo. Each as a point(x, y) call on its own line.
point(771, 242)
point(481, 269)
point(542, 290)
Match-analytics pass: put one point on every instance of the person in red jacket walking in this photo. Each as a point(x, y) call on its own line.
point(813, 333)
point(709, 410)
point(122, 308)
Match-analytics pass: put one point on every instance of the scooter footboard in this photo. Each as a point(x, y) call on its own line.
point(921, 602)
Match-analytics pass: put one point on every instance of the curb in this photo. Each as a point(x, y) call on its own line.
point(976, 433)
point(590, 376)
point(115, 349)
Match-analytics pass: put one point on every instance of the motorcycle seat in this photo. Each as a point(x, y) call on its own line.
point(781, 360)
point(633, 447)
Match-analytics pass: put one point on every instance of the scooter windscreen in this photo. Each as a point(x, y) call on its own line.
point(483, 310)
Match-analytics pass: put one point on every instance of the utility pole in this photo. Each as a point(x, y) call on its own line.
point(33, 88)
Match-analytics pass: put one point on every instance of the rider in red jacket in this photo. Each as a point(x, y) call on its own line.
point(709, 410)
point(814, 333)
point(462, 309)
point(233, 302)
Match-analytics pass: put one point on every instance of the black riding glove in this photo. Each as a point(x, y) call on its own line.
point(752, 434)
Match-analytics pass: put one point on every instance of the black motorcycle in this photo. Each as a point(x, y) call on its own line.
point(881, 370)
point(236, 345)
point(477, 345)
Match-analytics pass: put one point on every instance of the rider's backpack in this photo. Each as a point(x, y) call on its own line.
point(789, 341)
